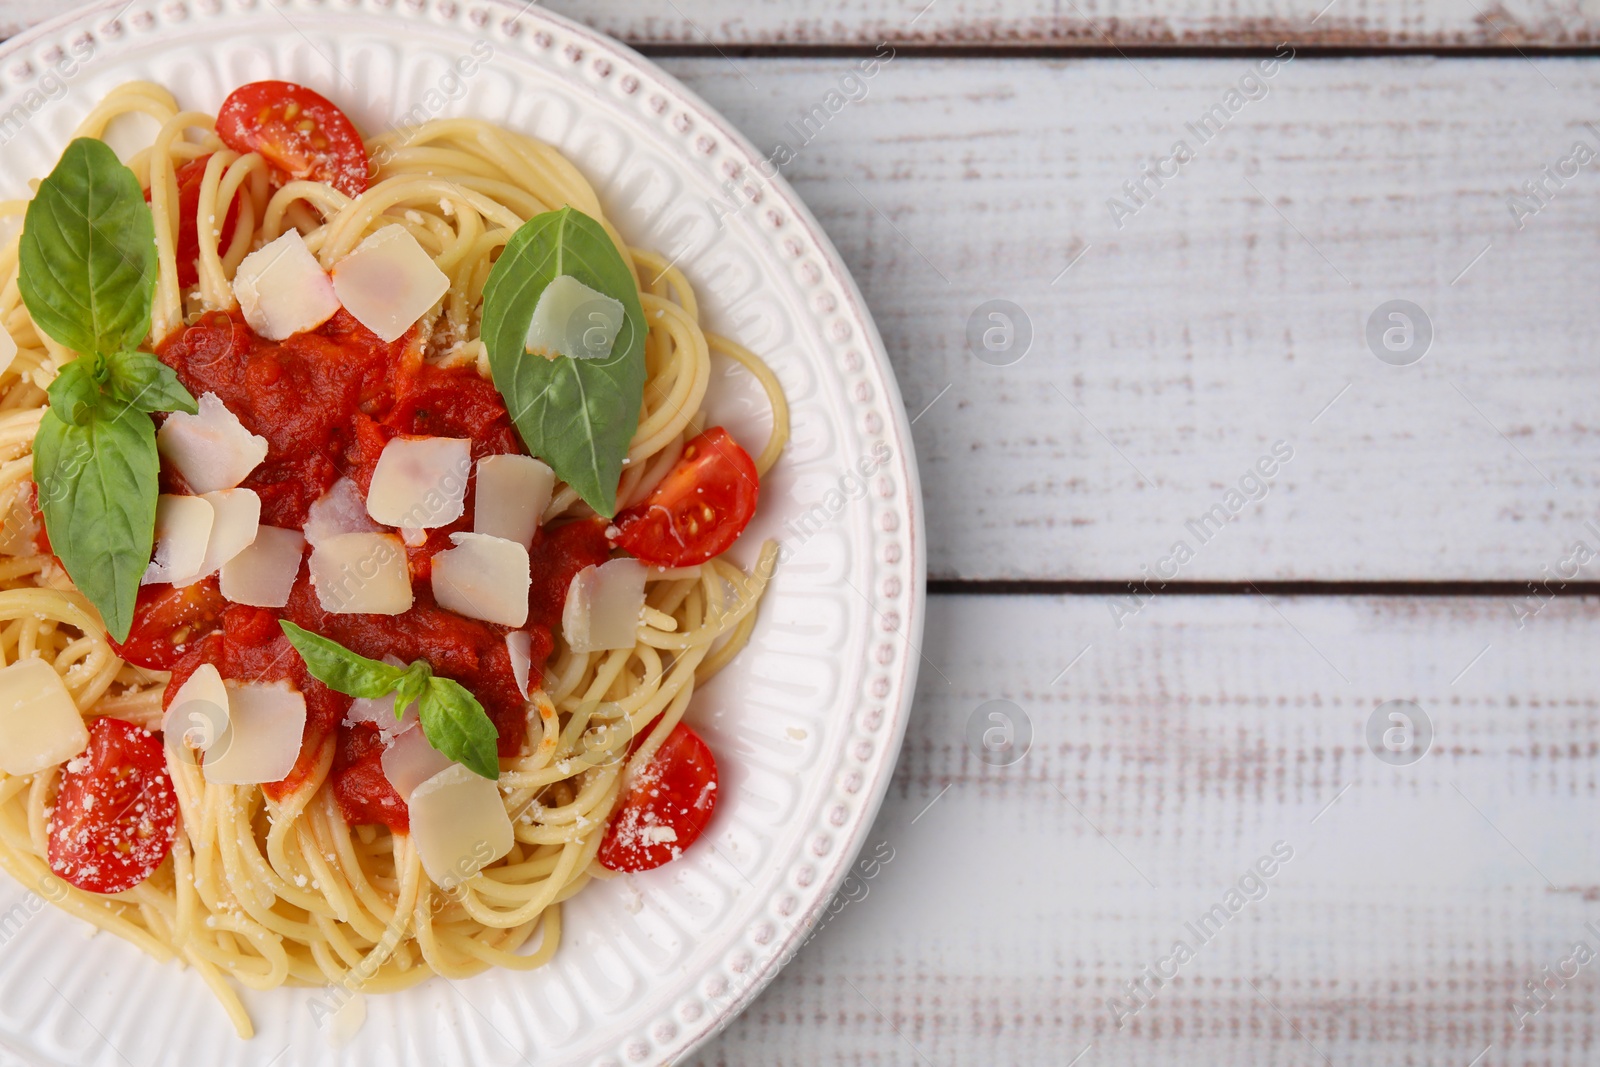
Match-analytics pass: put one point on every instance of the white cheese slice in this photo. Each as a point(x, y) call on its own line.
point(459, 825)
point(519, 646)
point(410, 760)
point(233, 528)
point(283, 290)
point(361, 572)
point(8, 349)
point(484, 578)
point(262, 575)
point(380, 713)
point(211, 449)
point(183, 528)
point(420, 482)
point(40, 724)
point(574, 320)
point(266, 723)
point(197, 717)
point(340, 510)
point(511, 494)
point(388, 282)
point(603, 606)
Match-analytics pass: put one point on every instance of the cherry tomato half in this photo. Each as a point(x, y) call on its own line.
point(168, 619)
point(666, 808)
point(190, 177)
point(301, 133)
point(116, 815)
point(699, 509)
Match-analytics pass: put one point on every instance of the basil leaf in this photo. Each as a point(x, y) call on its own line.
point(338, 668)
point(411, 686)
point(98, 483)
point(452, 719)
point(88, 253)
point(455, 723)
point(144, 383)
point(578, 415)
point(87, 273)
point(75, 394)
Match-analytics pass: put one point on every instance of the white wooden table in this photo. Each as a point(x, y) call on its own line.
point(1182, 733)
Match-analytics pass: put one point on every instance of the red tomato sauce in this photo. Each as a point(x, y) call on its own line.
point(327, 402)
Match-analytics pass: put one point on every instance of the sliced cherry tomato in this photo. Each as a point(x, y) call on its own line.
point(666, 808)
point(699, 509)
point(116, 814)
point(301, 133)
point(168, 619)
point(190, 177)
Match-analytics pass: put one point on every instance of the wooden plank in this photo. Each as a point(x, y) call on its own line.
point(1097, 24)
point(1092, 24)
point(1165, 763)
point(1178, 342)
point(1225, 315)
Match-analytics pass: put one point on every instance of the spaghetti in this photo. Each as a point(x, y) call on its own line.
point(264, 892)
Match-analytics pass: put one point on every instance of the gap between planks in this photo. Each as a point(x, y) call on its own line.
point(906, 50)
point(1113, 587)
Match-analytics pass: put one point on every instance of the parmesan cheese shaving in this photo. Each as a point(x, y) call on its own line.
point(39, 721)
point(183, 529)
point(420, 482)
point(459, 825)
point(283, 290)
point(211, 449)
point(603, 606)
point(265, 724)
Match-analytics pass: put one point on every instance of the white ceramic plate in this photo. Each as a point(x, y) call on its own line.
point(807, 721)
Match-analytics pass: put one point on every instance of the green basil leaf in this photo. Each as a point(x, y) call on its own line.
point(338, 668)
point(578, 415)
point(411, 686)
point(75, 394)
point(97, 488)
point(452, 719)
point(455, 723)
point(88, 254)
point(144, 383)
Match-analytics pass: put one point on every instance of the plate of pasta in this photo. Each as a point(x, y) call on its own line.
point(460, 552)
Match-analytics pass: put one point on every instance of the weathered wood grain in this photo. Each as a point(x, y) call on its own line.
point(1176, 342)
point(1099, 24)
point(1165, 762)
point(1090, 24)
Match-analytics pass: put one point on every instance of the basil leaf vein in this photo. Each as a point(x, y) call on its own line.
point(88, 254)
point(98, 485)
point(578, 415)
